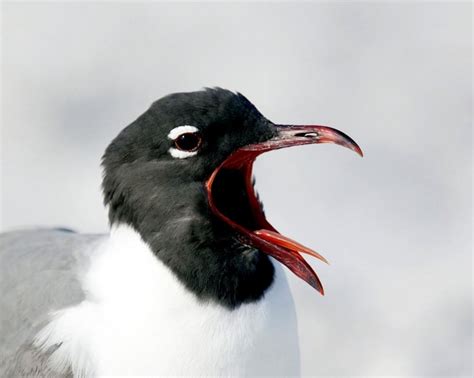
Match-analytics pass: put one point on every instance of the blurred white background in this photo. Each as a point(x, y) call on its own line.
point(396, 225)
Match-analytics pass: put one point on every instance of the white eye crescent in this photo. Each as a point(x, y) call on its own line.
point(187, 140)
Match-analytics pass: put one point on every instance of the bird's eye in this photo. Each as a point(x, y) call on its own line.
point(188, 141)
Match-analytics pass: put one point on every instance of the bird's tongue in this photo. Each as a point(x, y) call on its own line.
point(285, 242)
point(287, 251)
point(266, 238)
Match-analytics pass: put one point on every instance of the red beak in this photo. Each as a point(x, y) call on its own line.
point(266, 238)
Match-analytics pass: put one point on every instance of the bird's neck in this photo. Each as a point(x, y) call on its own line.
point(207, 257)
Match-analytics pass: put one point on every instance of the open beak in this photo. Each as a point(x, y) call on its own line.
point(263, 235)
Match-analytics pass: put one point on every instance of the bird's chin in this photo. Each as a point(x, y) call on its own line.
point(232, 198)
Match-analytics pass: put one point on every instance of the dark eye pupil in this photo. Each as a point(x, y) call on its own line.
point(188, 141)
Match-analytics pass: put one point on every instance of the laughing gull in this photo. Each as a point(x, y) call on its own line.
point(190, 279)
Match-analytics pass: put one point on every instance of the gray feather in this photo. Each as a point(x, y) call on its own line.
point(39, 274)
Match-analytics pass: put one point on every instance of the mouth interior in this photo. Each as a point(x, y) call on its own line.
point(232, 198)
point(235, 198)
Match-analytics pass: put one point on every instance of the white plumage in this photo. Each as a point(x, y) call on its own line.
point(138, 319)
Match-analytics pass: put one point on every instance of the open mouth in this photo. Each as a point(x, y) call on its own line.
point(232, 197)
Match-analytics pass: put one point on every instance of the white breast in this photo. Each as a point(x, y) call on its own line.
point(138, 319)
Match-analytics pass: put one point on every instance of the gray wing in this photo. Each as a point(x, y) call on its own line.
point(39, 273)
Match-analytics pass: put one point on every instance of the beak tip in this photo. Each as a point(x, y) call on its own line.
point(358, 151)
point(317, 286)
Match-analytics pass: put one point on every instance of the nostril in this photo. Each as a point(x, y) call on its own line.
point(307, 135)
